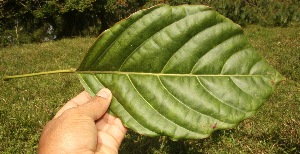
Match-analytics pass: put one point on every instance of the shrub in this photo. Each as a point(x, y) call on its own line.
point(263, 12)
point(91, 17)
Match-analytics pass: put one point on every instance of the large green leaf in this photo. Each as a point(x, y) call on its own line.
point(181, 71)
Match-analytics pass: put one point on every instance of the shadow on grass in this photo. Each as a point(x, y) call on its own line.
point(138, 144)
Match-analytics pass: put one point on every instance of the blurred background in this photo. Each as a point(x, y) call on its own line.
point(27, 21)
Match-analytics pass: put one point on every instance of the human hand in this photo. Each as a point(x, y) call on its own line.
point(83, 126)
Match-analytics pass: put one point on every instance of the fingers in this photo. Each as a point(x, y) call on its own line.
point(98, 105)
point(112, 126)
point(111, 131)
point(108, 121)
point(80, 99)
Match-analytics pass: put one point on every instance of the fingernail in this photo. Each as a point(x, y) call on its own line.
point(104, 93)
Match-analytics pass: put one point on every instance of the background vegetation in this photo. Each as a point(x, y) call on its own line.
point(25, 21)
point(27, 104)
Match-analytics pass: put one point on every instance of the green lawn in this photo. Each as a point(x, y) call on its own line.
point(26, 104)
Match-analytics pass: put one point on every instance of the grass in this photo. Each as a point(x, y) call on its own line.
point(26, 104)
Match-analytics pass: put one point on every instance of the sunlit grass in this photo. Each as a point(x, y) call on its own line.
point(26, 104)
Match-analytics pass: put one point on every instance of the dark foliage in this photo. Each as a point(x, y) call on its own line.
point(25, 21)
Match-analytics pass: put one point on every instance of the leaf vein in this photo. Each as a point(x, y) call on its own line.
point(217, 22)
point(241, 89)
point(222, 70)
point(208, 51)
point(167, 74)
point(117, 38)
point(187, 105)
point(254, 65)
point(87, 86)
point(218, 98)
point(132, 117)
point(156, 109)
point(151, 37)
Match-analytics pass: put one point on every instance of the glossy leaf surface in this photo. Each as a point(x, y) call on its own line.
point(181, 71)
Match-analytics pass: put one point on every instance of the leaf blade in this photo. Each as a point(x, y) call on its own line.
point(182, 78)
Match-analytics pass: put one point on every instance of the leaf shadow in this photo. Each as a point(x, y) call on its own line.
point(138, 144)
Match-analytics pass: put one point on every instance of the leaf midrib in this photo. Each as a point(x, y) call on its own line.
point(166, 74)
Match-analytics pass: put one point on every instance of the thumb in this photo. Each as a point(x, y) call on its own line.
point(98, 105)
